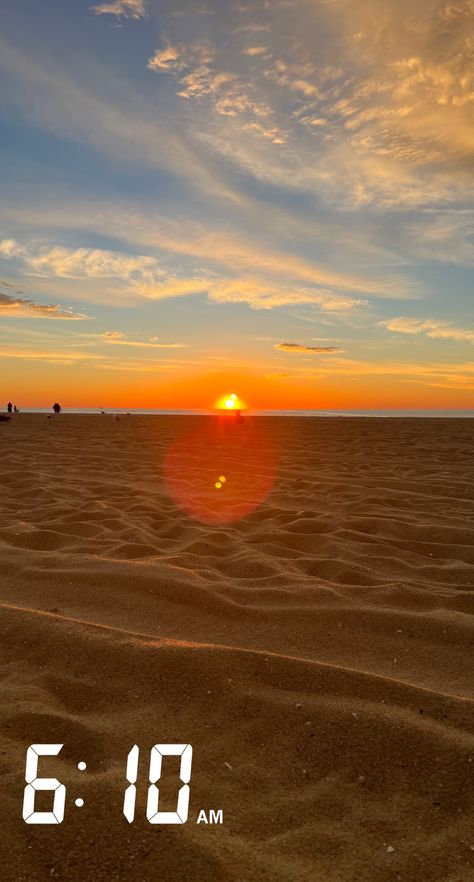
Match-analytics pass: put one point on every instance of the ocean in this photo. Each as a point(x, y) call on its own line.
point(452, 414)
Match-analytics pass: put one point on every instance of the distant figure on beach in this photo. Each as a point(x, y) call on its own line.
point(238, 417)
point(57, 408)
point(10, 407)
point(16, 409)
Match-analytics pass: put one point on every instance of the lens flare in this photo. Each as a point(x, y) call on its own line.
point(222, 470)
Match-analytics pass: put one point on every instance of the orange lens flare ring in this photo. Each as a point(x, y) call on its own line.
point(220, 471)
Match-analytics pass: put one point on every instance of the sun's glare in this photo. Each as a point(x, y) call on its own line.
point(229, 402)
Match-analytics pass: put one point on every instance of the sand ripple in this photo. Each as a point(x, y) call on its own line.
point(315, 653)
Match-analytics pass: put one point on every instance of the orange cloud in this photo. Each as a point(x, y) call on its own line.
point(19, 308)
point(300, 347)
point(126, 8)
point(438, 330)
point(254, 51)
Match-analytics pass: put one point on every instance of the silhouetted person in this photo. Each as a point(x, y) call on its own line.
point(10, 407)
point(238, 417)
point(16, 409)
point(57, 408)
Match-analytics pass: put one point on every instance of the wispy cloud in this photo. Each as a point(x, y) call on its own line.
point(295, 77)
point(144, 274)
point(121, 8)
point(238, 270)
point(311, 159)
point(110, 115)
point(455, 375)
point(434, 328)
point(372, 116)
point(17, 307)
point(198, 78)
point(78, 263)
point(167, 59)
point(258, 293)
point(301, 347)
point(254, 51)
point(80, 266)
point(116, 338)
point(445, 236)
point(254, 28)
point(47, 356)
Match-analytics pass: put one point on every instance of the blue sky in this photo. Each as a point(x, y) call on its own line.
point(276, 189)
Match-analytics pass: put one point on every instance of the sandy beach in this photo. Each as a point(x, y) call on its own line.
point(305, 626)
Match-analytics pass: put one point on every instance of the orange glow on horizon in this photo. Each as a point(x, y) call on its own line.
point(85, 387)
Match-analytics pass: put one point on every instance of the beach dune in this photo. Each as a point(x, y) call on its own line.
point(309, 633)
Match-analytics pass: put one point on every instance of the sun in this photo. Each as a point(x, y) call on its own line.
point(229, 402)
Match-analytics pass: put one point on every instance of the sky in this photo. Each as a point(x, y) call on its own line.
point(272, 198)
